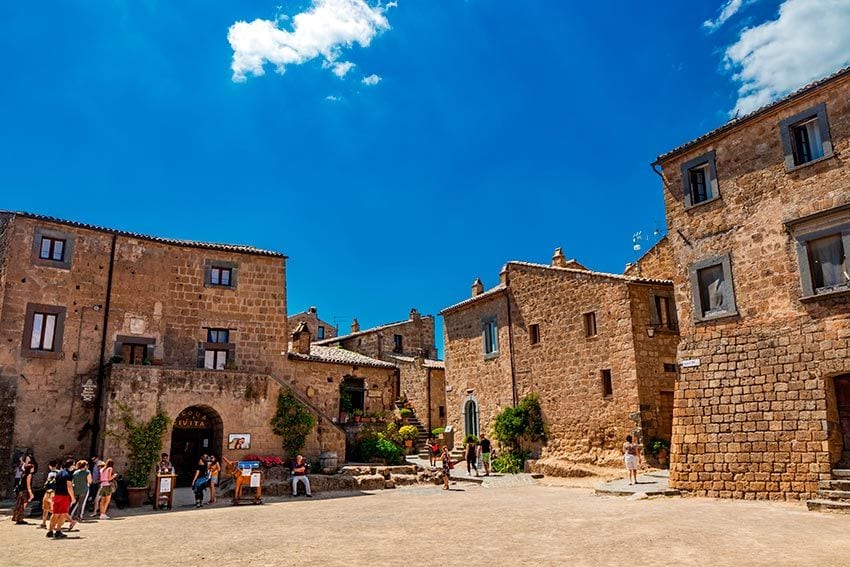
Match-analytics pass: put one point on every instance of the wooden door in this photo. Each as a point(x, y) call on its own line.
point(665, 417)
point(842, 397)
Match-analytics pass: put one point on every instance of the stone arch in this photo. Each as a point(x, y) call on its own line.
point(196, 430)
point(470, 412)
point(838, 418)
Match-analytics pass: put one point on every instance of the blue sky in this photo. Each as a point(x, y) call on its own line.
point(495, 130)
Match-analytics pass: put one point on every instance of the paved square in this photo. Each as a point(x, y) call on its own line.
point(543, 524)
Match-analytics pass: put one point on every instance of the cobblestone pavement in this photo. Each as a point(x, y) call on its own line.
point(541, 524)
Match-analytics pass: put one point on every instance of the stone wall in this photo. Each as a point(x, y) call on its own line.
point(657, 262)
point(416, 379)
point(417, 333)
point(311, 319)
point(754, 419)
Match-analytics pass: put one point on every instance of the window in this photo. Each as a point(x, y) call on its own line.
point(321, 332)
point(534, 333)
point(398, 343)
point(711, 285)
point(663, 312)
point(805, 137)
point(699, 179)
point(218, 273)
point(52, 249)
point(607, 385)
point(670, 367)
point(823, 241)
point(490, 332)
point(220, 276)
point(43, 330)
point(590, 324)
point(132, 353)
point(215, 359)
point(441, 411)
point(218, 336)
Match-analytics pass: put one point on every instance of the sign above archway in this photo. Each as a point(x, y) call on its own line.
point(192, 418)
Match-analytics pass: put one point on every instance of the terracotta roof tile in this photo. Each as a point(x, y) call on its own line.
point(339, 356)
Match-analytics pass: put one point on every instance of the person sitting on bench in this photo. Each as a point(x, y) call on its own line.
point(299, 474)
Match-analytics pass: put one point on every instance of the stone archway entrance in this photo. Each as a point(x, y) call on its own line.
point(842, 399)
point(197, 430)
point(470, 417)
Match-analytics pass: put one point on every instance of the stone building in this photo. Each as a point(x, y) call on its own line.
point(94, 320)
point(759, 222)
point(319, 330)
point(409, 345)
point(599, 349)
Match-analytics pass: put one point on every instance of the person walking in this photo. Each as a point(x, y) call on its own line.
point(433, 451)
point(631, 456)
point(471, 453)
point(447, 466)
point(82, 481)
point(63, 499)
point(299, 474)
point(96, 467)
point(107, 475)
point(200, 481)
point(23, 494)
point(214, 471)
point(49, 490)
point(484, 452)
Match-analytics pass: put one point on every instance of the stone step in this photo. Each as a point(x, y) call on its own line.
point(841, 473)
point(841, 495)
point(828, 506)
point(834, 484)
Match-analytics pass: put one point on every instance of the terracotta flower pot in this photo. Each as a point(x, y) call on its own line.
point(136, 496)
point(408, 443)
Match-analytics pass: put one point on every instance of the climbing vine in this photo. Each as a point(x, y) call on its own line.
point(144, 441)
point(293, 422)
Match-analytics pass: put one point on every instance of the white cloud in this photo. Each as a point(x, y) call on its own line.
point(808, 40)
point(333, 98)
point(371, 80)
point(341, 68)
point(729, 9)
point(323, 30)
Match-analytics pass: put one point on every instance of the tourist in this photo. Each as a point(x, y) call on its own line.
point(631, 456)
point(299, 474)
point(471, 452)
point(484, 451)
point(433, 451)
point(200, 481)
point(214, 471)
point(164, 465)
point(63, 498)
point(447, 467)
point(96, 468)
point(107, 476)
point(23, 493)
point(82, 482)
point(49, 490)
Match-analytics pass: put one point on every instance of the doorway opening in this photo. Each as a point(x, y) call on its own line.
point(197, 431)
point(470, 417)
point(842, 399)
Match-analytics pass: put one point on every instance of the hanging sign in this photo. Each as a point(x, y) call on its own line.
point(691, 363)
point(89, 390)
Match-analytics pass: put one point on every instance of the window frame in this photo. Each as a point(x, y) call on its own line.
point(490, 324)
point(655, 319)
point(215, 333)
point(398, 343)
point(830, 223)
point(68, 239)
point(710, 159)
point(607, 379)
point(58, 330)
point(320, 332)
point(534, 334)
point(725, 261)
point(586, 319)
point(786, 127)
point(216, 352)
point(210, 265)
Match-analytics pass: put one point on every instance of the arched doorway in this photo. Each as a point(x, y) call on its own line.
point(470, 417)
point(197, 430)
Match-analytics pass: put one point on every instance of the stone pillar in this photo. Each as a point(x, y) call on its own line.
point(558, 258)
point(355, 326)
point(477, 287)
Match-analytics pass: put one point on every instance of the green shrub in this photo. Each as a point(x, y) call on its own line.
point(372, 446)
point(408, 432)
point(438, 431)
point(144, 441)
point(471, 439)
point(293, 422)
point(405, 412)
point(523, 423)
point(655, 446)
point(389, 451)
point(510, 462)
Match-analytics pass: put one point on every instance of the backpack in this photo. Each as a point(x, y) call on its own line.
point(50, 483)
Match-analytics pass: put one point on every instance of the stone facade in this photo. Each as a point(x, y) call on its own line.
point(137, 319)
point(756, 413)
point(319, 329)
point(543, 347)
point(657, 262)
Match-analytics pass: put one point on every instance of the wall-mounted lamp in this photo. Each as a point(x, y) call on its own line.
point(650, 332)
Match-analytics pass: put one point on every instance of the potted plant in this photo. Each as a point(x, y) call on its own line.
point(405, 413)
point(408, 433)
point(144, 443)
point(346, 406)
point(358, 415)
point(658, 448)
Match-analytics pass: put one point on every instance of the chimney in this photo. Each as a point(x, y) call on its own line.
point(503, 275)
point(312, 310)
point(300, 342)
point(419, 359)
point(355, 326)
point(477, 287)
point(558, 258)
point(414, 315)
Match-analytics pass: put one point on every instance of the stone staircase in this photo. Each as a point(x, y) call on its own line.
point(834, 494)
point(422, 438)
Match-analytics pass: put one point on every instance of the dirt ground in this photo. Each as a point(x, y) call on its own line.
point(549, 523)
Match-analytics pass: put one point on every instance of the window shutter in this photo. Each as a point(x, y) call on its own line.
point(823, 126)
point(234, 271)
point(200, 355)
point(653, 310)
point(686, 186)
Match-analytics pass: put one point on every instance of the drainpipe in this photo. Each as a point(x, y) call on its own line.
point(511, 349)
point(428, 389)
point(101, 368)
